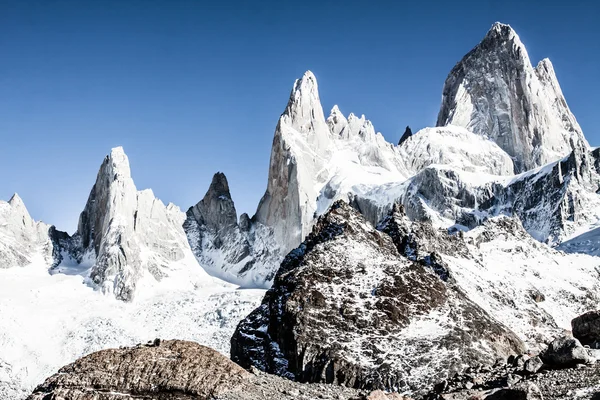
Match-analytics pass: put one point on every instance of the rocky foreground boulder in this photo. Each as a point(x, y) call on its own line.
point(586, 328)
point(347, 308)
point(177, 370)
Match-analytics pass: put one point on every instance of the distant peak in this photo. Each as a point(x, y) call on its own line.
point(306, 85)
point(335, 110)
point(546, 65)
point(501, 30)
point(119, 162)
point(407, 133)
point(219, 185)
point(16, 200)
point(17, 204)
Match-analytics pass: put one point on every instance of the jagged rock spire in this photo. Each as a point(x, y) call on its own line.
point(216, 210)
point(494, 91)
point(301, 146)
point(407, 133)
point(128, 232)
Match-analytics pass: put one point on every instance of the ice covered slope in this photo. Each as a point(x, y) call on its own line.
point(51, 320)
point(454, 147)
point(554, 202)
point(495, 91)
point(22, 238)
point(129, 235)
point(243, 252)
point(528, 286)
point(533, 289)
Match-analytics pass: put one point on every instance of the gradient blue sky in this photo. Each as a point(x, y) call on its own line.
point(194, 87)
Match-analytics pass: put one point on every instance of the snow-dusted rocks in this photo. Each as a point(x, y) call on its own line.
point(346, 308)
point(244, 253)
point(494, 91)
point(22, 239)
point(128, 234)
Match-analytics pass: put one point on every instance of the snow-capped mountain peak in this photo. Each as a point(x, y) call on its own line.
point(494, 91)
point(17, 203)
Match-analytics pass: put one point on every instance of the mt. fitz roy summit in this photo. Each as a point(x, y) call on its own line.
point(386, 266)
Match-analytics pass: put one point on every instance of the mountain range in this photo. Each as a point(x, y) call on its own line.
point(386, 266)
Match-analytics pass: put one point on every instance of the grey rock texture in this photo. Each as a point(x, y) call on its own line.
point(505, 380)
point(347, 308)
point(127, 232)
point(244, 253)
point(494, 91)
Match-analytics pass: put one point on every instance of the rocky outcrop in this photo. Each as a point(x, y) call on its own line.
point(494, 91)
point(552, 202)
point(244, 253)
point(565, 351)
point(347, 308)
point(176, 370)
point(586, 328)
point(128, 233)
point(23, 240)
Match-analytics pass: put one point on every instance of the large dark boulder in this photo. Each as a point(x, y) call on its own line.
point(565, 351)
point(586, 328)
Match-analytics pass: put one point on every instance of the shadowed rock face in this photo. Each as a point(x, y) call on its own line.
point(494, 91)
point(347, 308)
point(216, 220)
point(244, 253)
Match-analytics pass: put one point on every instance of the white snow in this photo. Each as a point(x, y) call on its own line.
point(48, 321)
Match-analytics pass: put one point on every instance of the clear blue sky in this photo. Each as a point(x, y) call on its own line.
point(194, 87)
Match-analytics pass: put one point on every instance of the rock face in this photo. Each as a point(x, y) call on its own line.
point(172, 370)
point(244, 253)
point(346, 308)
point(128, 233)
point(494, 91)
point(315, 161)
point(23, 240)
